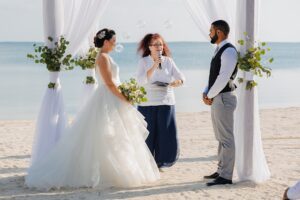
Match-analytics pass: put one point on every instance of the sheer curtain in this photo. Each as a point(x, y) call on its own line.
point(75, 19)
point(204, 12)
point(81, 19)
point(51, 119)
point(88, 89)
point(250, 158)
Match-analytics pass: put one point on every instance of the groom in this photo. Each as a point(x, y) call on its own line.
point(221, 96)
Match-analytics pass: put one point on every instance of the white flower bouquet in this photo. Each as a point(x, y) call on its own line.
point(134, 93)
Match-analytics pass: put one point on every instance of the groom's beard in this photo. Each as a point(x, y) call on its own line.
point(214, 39)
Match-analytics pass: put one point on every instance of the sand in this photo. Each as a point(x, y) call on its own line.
point(281, 139)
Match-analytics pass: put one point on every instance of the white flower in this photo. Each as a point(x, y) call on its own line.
point(101, 35)
point(134, 93)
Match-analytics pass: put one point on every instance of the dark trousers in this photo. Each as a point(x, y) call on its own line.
point(162, 139)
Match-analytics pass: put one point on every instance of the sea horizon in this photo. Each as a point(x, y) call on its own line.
point(23, 82)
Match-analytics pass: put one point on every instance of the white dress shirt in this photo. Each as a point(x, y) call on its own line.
point(158, 95)
point(228, 62)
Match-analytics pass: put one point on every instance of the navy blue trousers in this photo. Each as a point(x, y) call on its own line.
point(162, 139)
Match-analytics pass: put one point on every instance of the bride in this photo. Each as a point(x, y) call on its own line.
point(105, 145)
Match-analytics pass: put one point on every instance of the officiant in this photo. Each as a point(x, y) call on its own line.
point(158, 73)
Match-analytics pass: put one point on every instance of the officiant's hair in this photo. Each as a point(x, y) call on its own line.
point(144, 44)
point(102, 35)
point(222, 26)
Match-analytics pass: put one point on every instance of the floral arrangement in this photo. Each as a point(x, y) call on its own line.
point(252, 61)
point(88, 62)
point(134, 93)
point(54, 58)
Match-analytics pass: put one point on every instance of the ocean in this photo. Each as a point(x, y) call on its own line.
point(23, 83)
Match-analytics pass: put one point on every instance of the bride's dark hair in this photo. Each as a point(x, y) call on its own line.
point(102, 35)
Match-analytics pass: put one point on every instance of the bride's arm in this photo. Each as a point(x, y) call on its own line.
point(104, 66)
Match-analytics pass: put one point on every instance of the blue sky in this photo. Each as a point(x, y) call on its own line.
point(21, 20)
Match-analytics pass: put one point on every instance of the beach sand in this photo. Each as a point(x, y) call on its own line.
point(281, 139)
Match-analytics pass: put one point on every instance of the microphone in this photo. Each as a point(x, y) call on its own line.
point(159, 56)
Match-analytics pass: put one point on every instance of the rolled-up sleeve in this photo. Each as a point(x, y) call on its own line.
point(205, 91)
point(176, 73)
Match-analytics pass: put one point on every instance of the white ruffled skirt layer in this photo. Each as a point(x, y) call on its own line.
point(104, 146)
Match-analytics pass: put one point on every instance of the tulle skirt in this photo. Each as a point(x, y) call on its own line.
point(104, 146)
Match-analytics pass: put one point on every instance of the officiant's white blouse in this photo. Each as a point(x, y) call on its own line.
point(157, 95)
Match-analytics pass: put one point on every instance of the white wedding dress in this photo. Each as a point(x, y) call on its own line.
point(104, 146)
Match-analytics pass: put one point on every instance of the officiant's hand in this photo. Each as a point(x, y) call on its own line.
point(206, 100)
point(157, 60)
point(176, 83)
point(155, 66)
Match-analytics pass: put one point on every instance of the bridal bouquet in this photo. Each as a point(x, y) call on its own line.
point(133, 92)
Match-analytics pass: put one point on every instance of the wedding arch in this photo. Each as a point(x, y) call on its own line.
point(77, 21)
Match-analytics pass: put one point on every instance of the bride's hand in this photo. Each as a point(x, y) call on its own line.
point(126, 100)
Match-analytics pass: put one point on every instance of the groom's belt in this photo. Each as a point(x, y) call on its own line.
point(227, 90)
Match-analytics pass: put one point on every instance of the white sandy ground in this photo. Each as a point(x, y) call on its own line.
point(281, 139)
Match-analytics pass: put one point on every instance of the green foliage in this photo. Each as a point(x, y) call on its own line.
point(250, 84)
point(90, 80)
point(54, 58)
point(133, 92)
point(254, 61)
point(51, 85)
point(87, 61)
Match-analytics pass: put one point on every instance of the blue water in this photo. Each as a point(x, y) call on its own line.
point(22, 83)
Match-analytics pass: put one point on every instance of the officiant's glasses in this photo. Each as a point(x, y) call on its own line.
point(156, 44)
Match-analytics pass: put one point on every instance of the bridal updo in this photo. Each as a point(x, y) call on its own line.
point(102, 35)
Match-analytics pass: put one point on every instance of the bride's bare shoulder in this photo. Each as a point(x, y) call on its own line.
point(102, 58)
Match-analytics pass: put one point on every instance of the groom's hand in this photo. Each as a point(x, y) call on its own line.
point(210, 101)
point(206, 100)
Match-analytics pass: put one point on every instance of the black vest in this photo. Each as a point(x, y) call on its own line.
point(215, 66)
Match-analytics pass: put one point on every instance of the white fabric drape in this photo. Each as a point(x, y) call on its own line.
point(81, 17)
point(204, 12)
point(75, 19)
point(52, 20)
point(51, 119)
point(88, 89)
point(250, 158)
